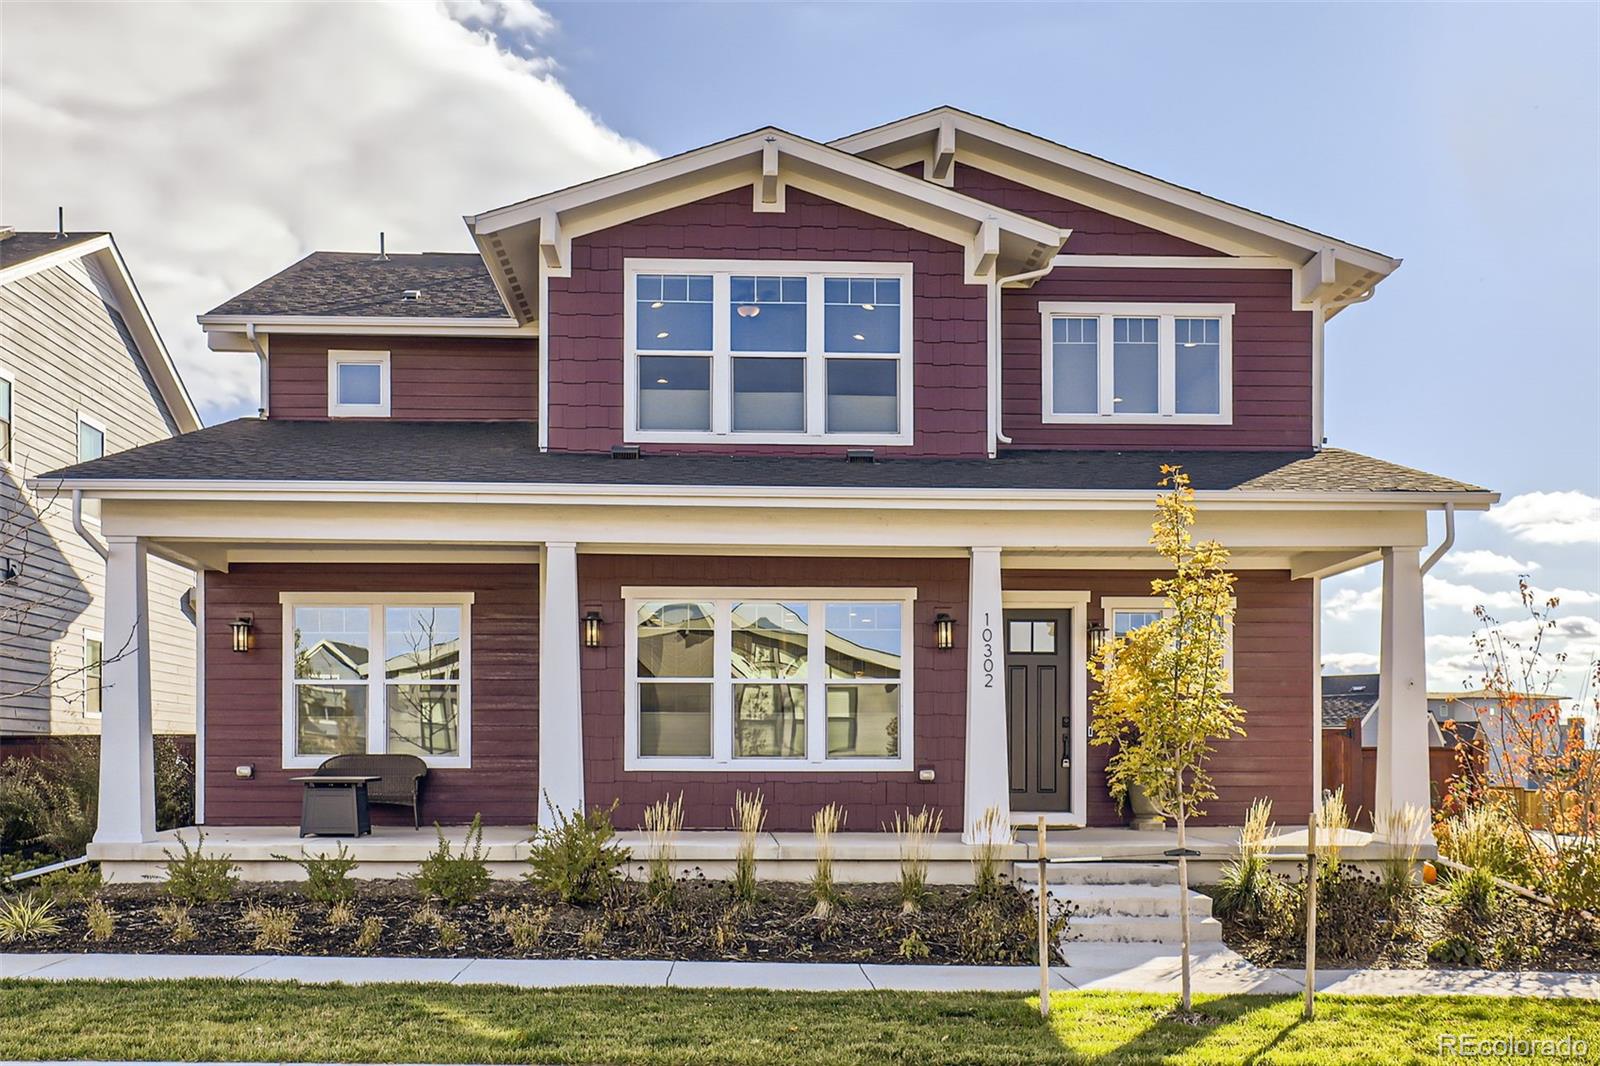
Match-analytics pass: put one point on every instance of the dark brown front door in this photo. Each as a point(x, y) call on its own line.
point(1039, 708)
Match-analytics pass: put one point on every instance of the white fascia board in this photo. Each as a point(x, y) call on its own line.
point(384, 325)
point(744, 496)
point(976, 127)
point(103, 249)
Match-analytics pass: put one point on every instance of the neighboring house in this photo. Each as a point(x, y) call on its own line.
point(807, 468)
point(1354, 697)
point(1508, 730)
point(83, 374)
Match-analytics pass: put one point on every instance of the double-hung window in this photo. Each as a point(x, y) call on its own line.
point(768, 352)
point(358, 384)
point(337, 703)
point(1138, 363)
point(765, 679)
point(1124, 614)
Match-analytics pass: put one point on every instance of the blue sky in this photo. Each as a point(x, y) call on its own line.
point(1463, 138)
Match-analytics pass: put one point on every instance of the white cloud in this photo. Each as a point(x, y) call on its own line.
point(1550, 517)
point(221, 146)
point(1481, 561)
point(1348, 602)
point(1349, 662)
point(1440, 592)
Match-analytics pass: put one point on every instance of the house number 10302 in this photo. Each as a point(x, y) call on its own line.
point(987, 636)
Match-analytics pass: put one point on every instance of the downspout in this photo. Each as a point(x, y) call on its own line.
point(261, 355)
point(996, 407)
point(1449, 538)
point(83, 530)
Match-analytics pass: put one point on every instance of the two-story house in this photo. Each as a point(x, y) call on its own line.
point(83, 373)
point(781, 465)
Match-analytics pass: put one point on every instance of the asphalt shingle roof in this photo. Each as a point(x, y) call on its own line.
point(21, 246)
point(1346, 696)
point(507, 452)
point(359, 284)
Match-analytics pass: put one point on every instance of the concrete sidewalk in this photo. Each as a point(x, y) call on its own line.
point(1120, 967)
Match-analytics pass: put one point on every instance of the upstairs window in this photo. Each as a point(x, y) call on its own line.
point(91, 439)
point(6, 388)
point(358, 384)
point(1137, 363)
point(768, 352)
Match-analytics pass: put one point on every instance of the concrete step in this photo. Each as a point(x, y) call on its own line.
point(1118, 928)
point(1100, 873)
point(1131, 901)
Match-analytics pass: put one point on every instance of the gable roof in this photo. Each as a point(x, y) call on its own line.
point(25, 253)
point(522, 240)
point(1347, 696)
point(1335, 271)
point(360, 284)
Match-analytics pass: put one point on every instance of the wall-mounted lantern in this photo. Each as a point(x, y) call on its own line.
point(1097, 638)
point(944, 631)
point(243, 637)
point(591, 629)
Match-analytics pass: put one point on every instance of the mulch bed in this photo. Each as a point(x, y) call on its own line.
point(702, 922)
point(1518, 934)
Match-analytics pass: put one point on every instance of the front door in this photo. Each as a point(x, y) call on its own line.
point(1039, 708)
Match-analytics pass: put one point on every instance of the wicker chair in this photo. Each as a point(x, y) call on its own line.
point(399, 781)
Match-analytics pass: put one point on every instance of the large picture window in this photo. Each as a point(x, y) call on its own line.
point(1139, 363)
point(769, 679)
point(785, 352)
point(337, 703)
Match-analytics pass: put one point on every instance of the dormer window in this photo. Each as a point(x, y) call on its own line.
point(784, 352)
point(1137, 363)
point(358, 384)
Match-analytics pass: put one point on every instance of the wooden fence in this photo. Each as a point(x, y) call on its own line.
point(1345, 762)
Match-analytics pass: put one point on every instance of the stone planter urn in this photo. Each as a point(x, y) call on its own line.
point(1143, 814)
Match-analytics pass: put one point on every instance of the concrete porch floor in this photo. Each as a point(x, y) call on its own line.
point(267, 853)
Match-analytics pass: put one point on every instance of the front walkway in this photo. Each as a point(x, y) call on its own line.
point(1110, 967)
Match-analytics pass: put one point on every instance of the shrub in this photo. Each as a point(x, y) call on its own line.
point(1405, 830)
point(98, 920)
point(1485, 836)
point(327, 876)
point(454, 879)
point(450, 935)
point(1455, 950)
point(914, 831)
point(1573, 877)
point(196, 878)
point(663, 820)
point(912, 947)
point(993, 832)
point(28, 916)
point(1247, 887)
point(175, 916)
point(174, 774)
point(576, 860)
point(525, 925)
point(72, 885)
point(749, 815)
point(1333, 818)
point(824, 893)
point(341, 914)
point(371, 933)
point(593, 936)
point(1473, 892)
point(274, 927)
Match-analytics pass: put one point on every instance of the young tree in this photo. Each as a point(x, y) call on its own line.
point(1163, 696)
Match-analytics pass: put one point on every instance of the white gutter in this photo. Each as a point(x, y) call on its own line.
point(83, 530)
point(261, 355)
point(1449, 538)
point(996, 407)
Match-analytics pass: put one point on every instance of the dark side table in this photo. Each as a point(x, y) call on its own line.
point(334, 805)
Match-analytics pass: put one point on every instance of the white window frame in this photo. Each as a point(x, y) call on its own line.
point(96, 425)
point(722, 758)
point(10, 447)
point(338, 358)
point(722, 355)
point(1109, 605)
point(1167, 388)
point(377, 723)
point(94, 635)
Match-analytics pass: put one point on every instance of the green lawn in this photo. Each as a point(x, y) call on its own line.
point(434, 1023)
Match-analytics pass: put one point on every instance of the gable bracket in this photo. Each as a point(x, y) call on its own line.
point(1313, 277)
point(943, 164)
point(554, 246)
point(984, 249)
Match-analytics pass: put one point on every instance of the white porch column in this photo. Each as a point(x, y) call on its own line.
point(986, 784)
point(127, 760)
point(1402, 686)
point(560, 684)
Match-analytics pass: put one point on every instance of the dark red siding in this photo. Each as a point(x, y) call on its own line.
point(585, 318)
point(244, 693)
point(1273, 666)
point(871, 799)
point(431, 377)
point(1093, 232)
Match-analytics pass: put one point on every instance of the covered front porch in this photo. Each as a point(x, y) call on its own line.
point(550, 582)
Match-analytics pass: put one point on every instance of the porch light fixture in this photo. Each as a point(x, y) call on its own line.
point(242, 637)
point(1097, 637)
point(591, 629)
point(944, 631)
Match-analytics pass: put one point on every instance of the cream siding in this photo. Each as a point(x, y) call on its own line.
point(61, 345)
